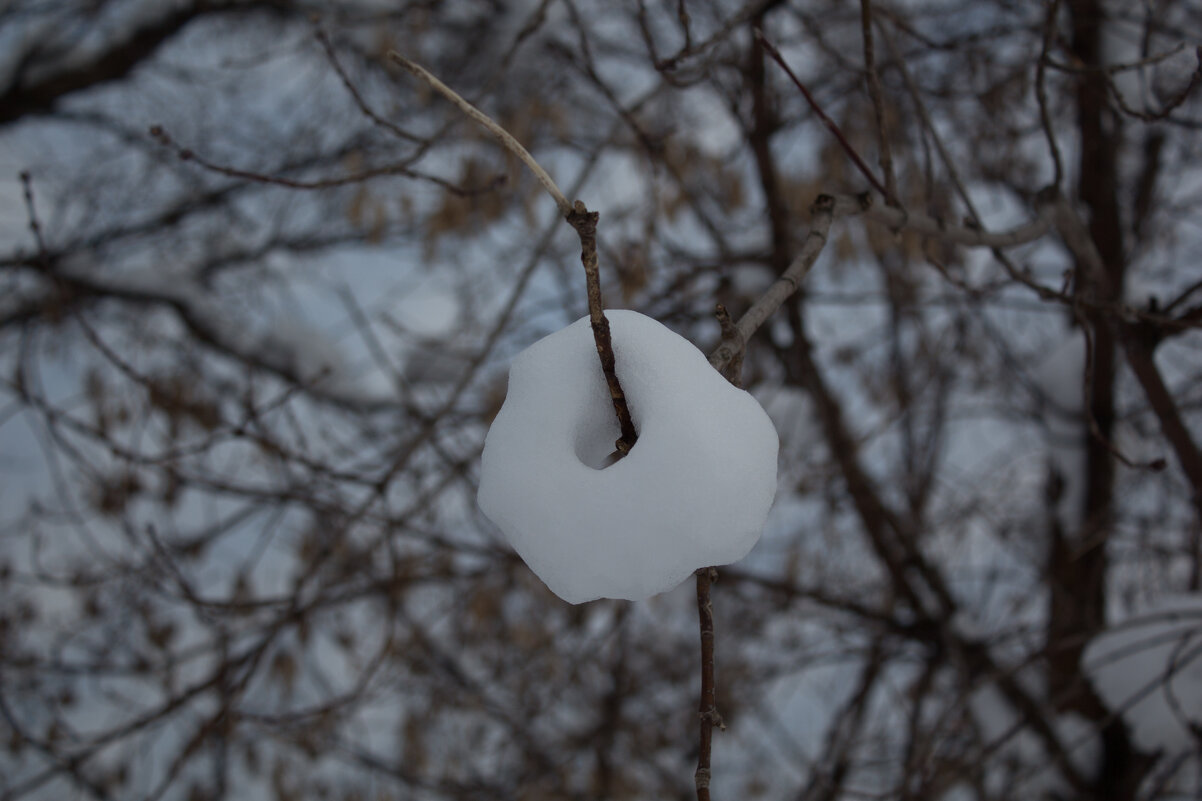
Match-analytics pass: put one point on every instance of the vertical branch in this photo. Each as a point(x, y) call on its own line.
point(878, 104)
point(585, 223)
point(1045, 117)
point(708, 707)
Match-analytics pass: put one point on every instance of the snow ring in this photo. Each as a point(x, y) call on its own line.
point(694, 491)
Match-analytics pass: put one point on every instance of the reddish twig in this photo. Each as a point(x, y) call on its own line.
point(827, 121)
point(1168, 107)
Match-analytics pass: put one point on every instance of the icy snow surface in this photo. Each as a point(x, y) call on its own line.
point(1149, 670)
point(694, 491)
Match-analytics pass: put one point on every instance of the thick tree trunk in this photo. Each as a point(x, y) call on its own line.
point(1078, 560)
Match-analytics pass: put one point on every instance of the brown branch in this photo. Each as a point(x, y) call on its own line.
point(585, 224)
point(827, 209)
point(969, 234)
point(324, 40)
point(730, 332)
point(1138, 349)
point(708, 708)
point(489, 124)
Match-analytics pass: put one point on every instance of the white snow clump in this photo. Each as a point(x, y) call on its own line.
point(1149, 670)
point(693, 491)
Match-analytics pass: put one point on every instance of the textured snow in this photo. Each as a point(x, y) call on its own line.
point(1149, 670)
point(694, 491)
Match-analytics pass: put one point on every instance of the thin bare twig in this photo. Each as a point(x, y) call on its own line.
point(187, 154)
point(324, 40)
point(1045, 117)
point(1137, 348)
point(967, 234)
point(944, 156)
point(827, 121)
point(503, 136)
point(707, 711)
point(1114, 69)
point(823, 213)
point(708, 708)
point(827, 209)
point(31, 210)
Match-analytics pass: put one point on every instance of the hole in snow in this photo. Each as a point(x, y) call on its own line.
point(595, 442)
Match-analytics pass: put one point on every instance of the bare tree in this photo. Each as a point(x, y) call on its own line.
point(260, 288)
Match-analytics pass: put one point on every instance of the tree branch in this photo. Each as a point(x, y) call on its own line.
point(708, 708)
point(112, 64)
point(582, 221)
point(823, 213)
point(487, 123)
point(830, 124)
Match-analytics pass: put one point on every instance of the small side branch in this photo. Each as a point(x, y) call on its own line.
point(486, 122)
point(827, 209)
point(822, 214)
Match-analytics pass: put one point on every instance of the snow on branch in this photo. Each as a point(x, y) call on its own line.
point(1148, 669)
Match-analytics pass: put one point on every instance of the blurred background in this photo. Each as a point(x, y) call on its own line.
point(259, 289)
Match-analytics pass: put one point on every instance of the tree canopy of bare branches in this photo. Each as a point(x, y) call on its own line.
point(260, 287)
